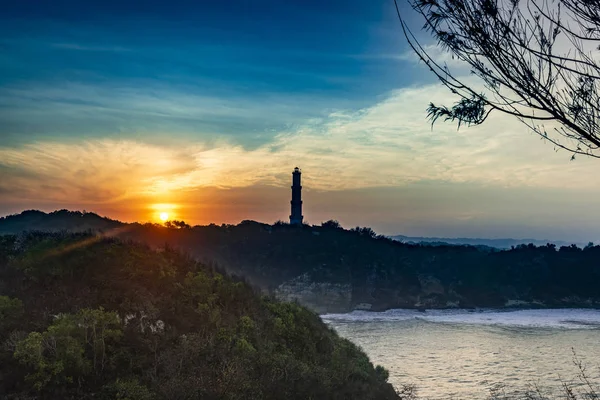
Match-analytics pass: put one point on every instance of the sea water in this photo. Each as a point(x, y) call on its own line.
point(465, 354)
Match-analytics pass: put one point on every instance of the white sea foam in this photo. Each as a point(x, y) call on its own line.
point(549, 318)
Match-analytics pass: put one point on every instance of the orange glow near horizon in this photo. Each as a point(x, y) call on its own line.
point(163, 211)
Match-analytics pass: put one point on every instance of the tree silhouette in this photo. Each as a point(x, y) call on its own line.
point(175, 224)
point(514, 48)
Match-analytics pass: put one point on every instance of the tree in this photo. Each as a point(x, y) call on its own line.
point(10, 310)
point(175, 224)
point(59, 355)
point(331, 224)
point(514, 49)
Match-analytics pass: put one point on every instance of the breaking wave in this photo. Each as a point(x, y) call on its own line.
point(549, 318)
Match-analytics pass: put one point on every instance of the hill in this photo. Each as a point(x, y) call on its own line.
point(85, 316)
point(56, 221)
point(493, 243)
point(331, 269)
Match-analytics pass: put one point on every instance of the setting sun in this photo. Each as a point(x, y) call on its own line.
point(163, 212)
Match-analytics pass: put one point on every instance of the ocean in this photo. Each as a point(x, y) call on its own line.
point(467, 354)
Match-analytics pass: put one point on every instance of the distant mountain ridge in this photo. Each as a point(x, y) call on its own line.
point(506, 243)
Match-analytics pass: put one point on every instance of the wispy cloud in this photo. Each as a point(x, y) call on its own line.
point(437, 54)
point(80, 47)
point(91, 172)
point(381, 166)
point(149, 108)
point(387, 144)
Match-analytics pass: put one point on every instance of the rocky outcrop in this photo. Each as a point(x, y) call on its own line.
point(431, 285)
point(328, 297)
point(321, 297)
point(364, 306)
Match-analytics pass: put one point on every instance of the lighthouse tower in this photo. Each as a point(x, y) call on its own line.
point(296, 217)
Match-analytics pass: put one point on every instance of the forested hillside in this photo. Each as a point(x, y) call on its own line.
point(85, 316)
point(333, 269)
point(56, 221)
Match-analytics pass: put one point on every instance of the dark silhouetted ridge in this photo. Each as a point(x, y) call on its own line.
point(331, 269)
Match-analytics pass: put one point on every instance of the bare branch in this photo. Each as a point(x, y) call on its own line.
point(512, 50)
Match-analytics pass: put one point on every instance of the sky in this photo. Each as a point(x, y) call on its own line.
point(202, 109)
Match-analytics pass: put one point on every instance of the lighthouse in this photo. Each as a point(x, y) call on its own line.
point(296, 217)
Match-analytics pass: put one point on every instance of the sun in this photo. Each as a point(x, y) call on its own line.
point(163, 216)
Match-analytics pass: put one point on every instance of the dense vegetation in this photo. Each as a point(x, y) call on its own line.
point(376, 269)
point(390, 274)
point(56, 221)
point(85, 316)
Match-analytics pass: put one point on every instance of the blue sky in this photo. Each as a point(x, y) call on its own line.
point(309, 57)
point(204, 108)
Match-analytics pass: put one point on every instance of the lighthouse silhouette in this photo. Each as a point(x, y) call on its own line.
point(296, 217)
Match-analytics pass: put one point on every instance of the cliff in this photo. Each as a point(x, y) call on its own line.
point(321, 297)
